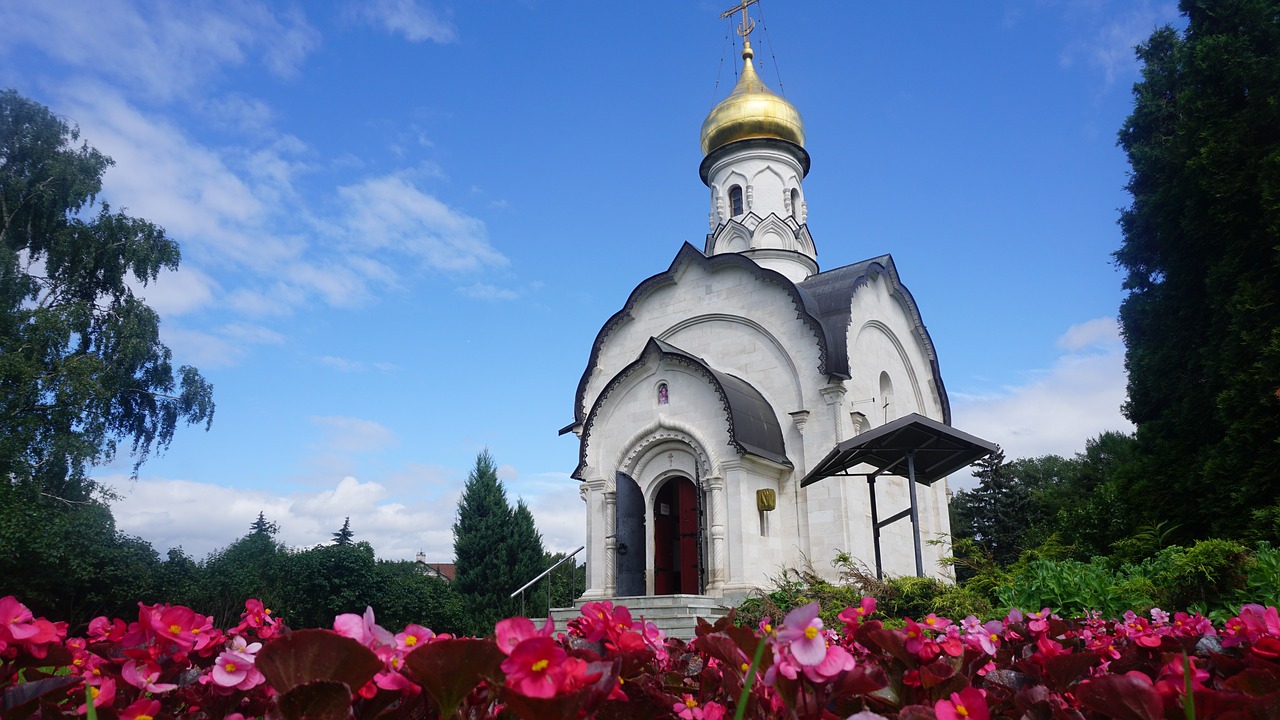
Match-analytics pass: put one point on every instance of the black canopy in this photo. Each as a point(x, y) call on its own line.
point(939, 451)
point(914, 447)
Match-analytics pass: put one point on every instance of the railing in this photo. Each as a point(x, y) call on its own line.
point(545, 573)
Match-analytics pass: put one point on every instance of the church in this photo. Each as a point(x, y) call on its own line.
point(724, 379)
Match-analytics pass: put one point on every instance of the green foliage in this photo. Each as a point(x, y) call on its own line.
point(528, 560)
point(326, 581)
point(406, 594)
point(83, 368)
point(1201, 321)
point(1205, 575)
point(481, 535)
point(1073, 588)
point(251, 567)
point(344, 535)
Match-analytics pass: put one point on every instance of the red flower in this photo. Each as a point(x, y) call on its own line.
point(968, 704)
point(535, 667)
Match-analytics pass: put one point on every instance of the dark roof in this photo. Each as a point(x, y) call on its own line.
point(753, 425)
point(830, 295)
point(939, 450)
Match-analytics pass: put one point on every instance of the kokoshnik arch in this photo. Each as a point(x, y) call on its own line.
point(724, 380)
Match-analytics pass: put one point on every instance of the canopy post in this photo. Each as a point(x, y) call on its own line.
point(915, 513)
point(875, 526)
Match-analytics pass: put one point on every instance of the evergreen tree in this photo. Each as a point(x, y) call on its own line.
point(998, 513)
point(481, 534)
point(527, 559)
point(1201, 320)
point(262, 527)
point(343, 536)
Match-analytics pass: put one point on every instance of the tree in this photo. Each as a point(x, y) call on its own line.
point(262, 526)
point(527, 559)
point(1201, 320)
point(326, 581)
point(343, 536)
point(997, 513)
point(481, 530)
point(82, 368)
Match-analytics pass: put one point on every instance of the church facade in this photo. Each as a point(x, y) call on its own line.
point(708, 396)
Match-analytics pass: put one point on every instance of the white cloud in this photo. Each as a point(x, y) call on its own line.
point(222, 347)
point(390, 212)
point(159, 49)
point(178, 292)
point(1107, 32)
point(416, 22)
point(160, 511)
point(348, 365)
point(353, 435)
point(485, 291)
point(1058, 409)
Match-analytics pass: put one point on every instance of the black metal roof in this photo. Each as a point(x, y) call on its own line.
point(829, 297)
point(939, 450)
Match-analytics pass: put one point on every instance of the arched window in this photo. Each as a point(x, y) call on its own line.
point(795, 204)
point(859, 423)
point(663, 396)
point(886, 397)
point(735, 200)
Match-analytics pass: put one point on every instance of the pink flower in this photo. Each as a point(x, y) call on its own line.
point(103, 694)
point(413, 636)
point(687, 708)
point(143, 675)
point(15, 620)
point(363, 629)
point(236, 670)
point(713, 710)
point(144, 709)
point(968, 704)
point(534, 667)
point(513, 631)
point(801, 632)
point(103, 630)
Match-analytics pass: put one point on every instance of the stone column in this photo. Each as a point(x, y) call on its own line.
point(715, 518)
point(610, 542)
point(833, 394)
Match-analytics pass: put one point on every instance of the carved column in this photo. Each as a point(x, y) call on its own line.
point(833, 394)
point(610, 542)
point(715, 518)
point(751, 194)
point(786, 200)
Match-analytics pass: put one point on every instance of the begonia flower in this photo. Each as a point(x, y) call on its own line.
point(968, 704)
point(512, 631)
point(103, 694)
point(801, 631)
point(143, 675)
point(16, 620)
point(413, 636)
point(687, 708)
point(144, 709)
point(533, 668)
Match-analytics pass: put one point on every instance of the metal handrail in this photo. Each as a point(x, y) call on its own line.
point(545, 573)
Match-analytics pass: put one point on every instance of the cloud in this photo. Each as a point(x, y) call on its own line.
point(410, 510)
point(353, 435)
point(348, 365)
point(161, 511)
point(417, 23)
point(157, 49)
point(1058, 409)
point(389, 211)
point(1107, 32)
point(222, 347)
point(485, 291)
point(178, 292)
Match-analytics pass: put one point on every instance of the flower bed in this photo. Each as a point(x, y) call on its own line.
point(171, 662)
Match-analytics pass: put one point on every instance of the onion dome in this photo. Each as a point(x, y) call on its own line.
point(751, 111)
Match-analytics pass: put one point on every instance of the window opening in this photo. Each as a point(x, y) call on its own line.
point(735, 200)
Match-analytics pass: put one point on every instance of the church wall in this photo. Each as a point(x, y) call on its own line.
point(889, 346)
point(706, 314)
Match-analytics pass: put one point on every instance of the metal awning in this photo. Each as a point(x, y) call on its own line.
point(914, 447)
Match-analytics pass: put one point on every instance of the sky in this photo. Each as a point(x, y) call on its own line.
point(403, 222)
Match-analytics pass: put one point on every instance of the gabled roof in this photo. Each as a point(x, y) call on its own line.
point(690, 254)
point(753, 425)
point(830, 294)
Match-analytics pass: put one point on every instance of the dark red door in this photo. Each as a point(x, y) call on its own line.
point(675, 539)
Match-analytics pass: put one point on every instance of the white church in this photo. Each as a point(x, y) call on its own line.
point(725, 379)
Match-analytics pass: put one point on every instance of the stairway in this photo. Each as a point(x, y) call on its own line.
point(675, 615)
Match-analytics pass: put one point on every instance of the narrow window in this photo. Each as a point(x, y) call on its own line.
point(735, 200)
point(663, 398)
point(795, 204)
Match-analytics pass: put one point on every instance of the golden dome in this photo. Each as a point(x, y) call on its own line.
point(751, 111)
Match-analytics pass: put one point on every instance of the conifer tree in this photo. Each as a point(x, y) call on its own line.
point(481, 541)
point(527, 559)
point(343, 537)
point(1201, 320)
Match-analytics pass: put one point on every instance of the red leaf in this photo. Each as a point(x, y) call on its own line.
point(19, 701)
point(1066, 669)
point(863, 679)
point(1254, 681)
point(316, 700)
point(308, 655)
point(1124, 697)
point(450, 669)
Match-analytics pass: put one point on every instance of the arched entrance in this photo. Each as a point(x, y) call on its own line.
point(677, 539)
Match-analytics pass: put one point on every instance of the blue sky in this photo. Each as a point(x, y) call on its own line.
point(403, 221)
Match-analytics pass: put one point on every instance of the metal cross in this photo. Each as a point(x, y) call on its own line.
point(747, 25)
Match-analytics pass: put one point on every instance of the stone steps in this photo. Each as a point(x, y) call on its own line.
point(675, 615)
